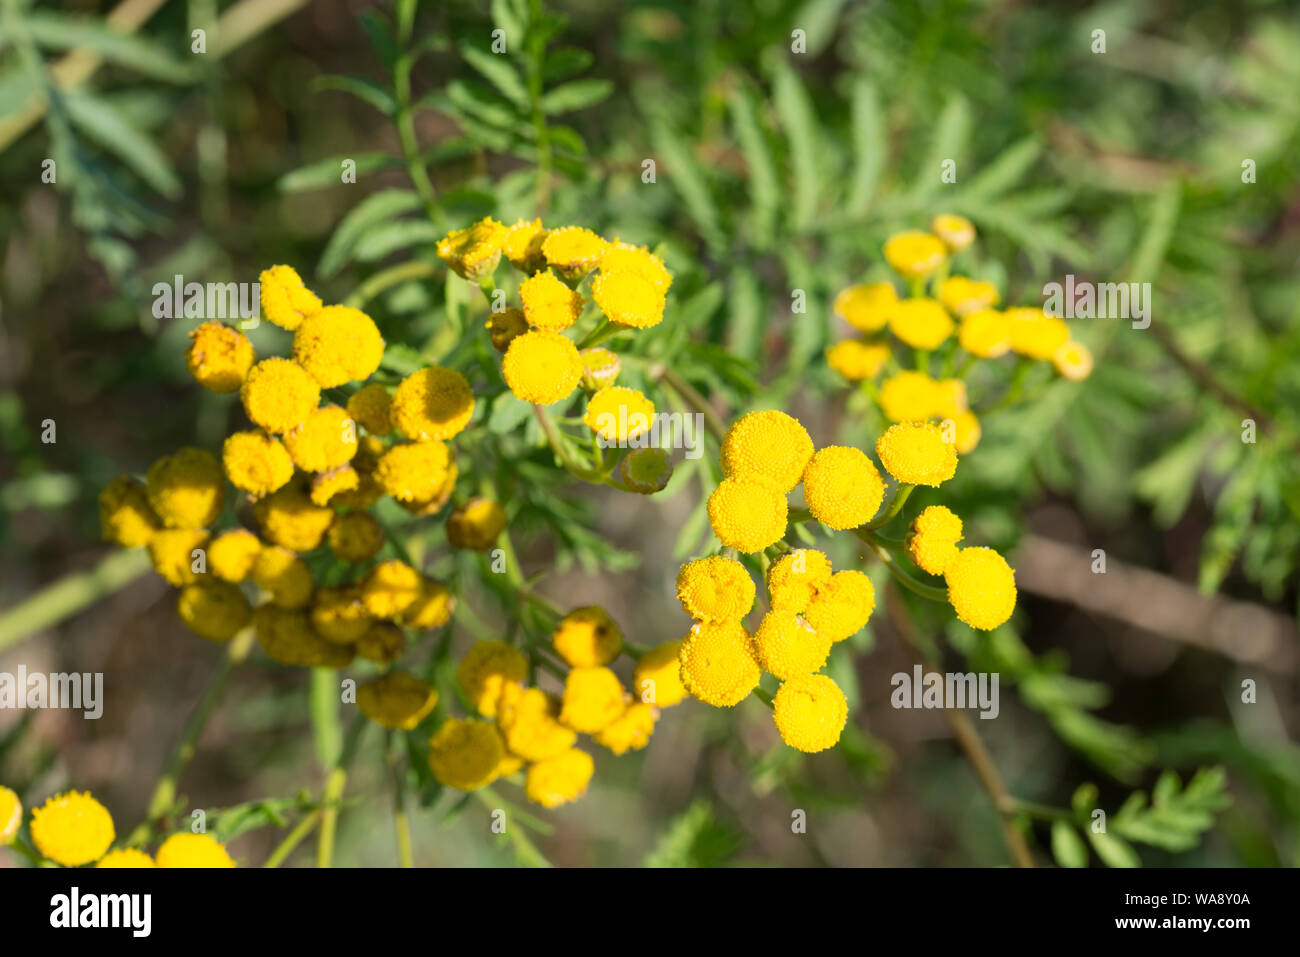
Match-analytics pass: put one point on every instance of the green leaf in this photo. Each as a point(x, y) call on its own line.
point(817, 18)
point(508, 414)
point(375, 208)
point(498, 71)
point(1005, 171)
point(512, 17)
point(380, 36)
point(329, 172)
point(58, 32)
point(689, 180)
point(363, 89)
point(694, 839)
point(387, 238)
point(1114, 851)
point(98, 121)
point(577, 95)
point(327, 734)
point(947, 142)
point(1067, 846)
point(764, 184)
point(16, 89)
point(870, 146)
point(566, 62)
point(794, 107)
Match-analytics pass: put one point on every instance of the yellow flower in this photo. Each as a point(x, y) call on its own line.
point(767, 444)
point(587, 637)
point(324, 440)
point(333, 487)
point(413, 471)
point(338, 614)
point(657, 677)
point(619, 414)
point(485, 671)
point(371, 407)
point(810, 713)
point(916, 454)
point(985, 333)
point(397, 701)
point(214, 610)
point(476, 524)
point(172, 551)
point(842, 487)
point(560, 779)
point(909, 397)
point(962, 296)
point(1035, 334)
point(465, 755)
point(232, 555)
point(505, 326)
point(355, 537)
point(473, 252)
point(644, 471)
point(390, 588)
point(434, 403)
point(867, 306)
point(719, 663)
point(981, 587)
point(542, 367)
point(600, 368)
point(288, 637)
point(625, 257)
point(193, 850)
point(219, 357)
point(573, 251)
point(950, 397)
point(11, 815)
point(956, 232)
point(432, 609)
point(522, 245)
point(382, 643)
point(787, 646)
point(593, 697)
point(966, 431)
point(338, 344)
point(285, 300)
point(1073, 361)
point(186, 489)
point(278, 394)
point(748, 514)
point(284, 576)
point(72, 829)
point(256, 462)
point(914, 254)
point(921, 323)
point(125, 514)
point(126, 857)
point(288, 517)
point(857, 360)
point(795, 577)
point(932, 542)
point(528, 718)
point(715, 589)
point(549, 303)
point(631, 730)
point(629, 299)
point(843, 606)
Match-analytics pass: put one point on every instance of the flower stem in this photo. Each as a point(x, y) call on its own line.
point(401, 823)
point(335, 785)
point(895, 506)
point(688, 392)
point(293, 839)
point(387, 279)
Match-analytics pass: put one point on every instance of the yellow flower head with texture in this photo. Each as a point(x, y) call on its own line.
point(916, 454)
point(768, 444)
point(810, 712)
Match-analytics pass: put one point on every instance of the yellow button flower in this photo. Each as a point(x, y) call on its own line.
point(413, 471)
point(715, 589)
point(432, 609)
point(630, 731)
point(284, 576)
point(795, 577)
point(338, 614)
point(127, 857)
point(371, 408)
point(285, 300)
point(214, 610)
point(625, 257)
point(542, 367)
point(600, 368)
point(125, 514)
point(921, 323)
point(857, 360)
point(278, 394)
point(390, 588)
point(932, 541)
point(11, 815)
point(219, 357)
point(916, 454)
point(434, 403)
point(788, 646)
point(842, 487)
point(619, 414)
point(587, 637)
point(867, 306)
point(560, 779)
point(193, 850)
point(288, 517)
point(397, 701)
point(910, 397)
point(914, 254)
point(1073, 361)
point(186, 489)
point(1036, 335)
point(475, 251)
point(256, 462)
point(465, 755)
point(325, 440)
point(338, 344)
point(383, 643)
point(529, 721)
point(962, 295)
point(573, 250)
point(173, 553)
point(355, 537)
point(476, 525)
point(628, 298)
point(657, 677)
point(810, 713)
point(767, 444)
point(842, 607)
point(72, 829)
point(549, 303)
point(719, 663)
point(748, 514)
point(593, 698)
point(232, 555)
point(965, 431)
point(288, 637)
point(522, 245)
point(981, 587)
point(485, 671)
point(956, 232)
point(505, 326)
point(985, 333)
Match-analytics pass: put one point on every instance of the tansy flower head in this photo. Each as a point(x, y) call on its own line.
point(348, 486)
point(324, 440)
point(618, 414)
point(767, 444)
point(932, 542)
point(125, 514)
point(397, 701)
point(476, 524)
point(657, 677)
point(857, 360)
point(630, 731)
point(193, 850)
point(788, 646)
point(560, 779)
point(529, 720)
point(542, 367)
point(219, 357)
point(390, 588)
point(72, 829)
point(434, 403)
point(465, 755)
point(1073, 361)
point(256, 462)
point(186, 489)
point(278, 394)
point(719, 664)
point(549, 303)
point(914, 254)
point(624, 257)
point(965, 431)
point(909, 397)
point(981, 587)
point(485, 671)
point(382, 643)
point(284, 576)
point(644, 471)
point(810, 712)
point(11, 815)
point(288, 637)
point(841, 607)
point(371, 408)
point(794, 578)
point(587, 637)
point(593, 697)
point(748, 514)
point(600, 368)
point(172, 552)
point(232, 554)
point(473, 252)
point(962, 296)
point(285, 300)
point(985, 333)
point(432, 609)
point(504, 326)
point(413, 471)
point(355, 537)
point(715, 589)
point(338, 344)
point(921, 323)
point(440, 497)
point(1035, 334)
point(916, 454)
point(956, 232)
point(288, 517)
point(338, 614)
point(842, 487)
point(950, 397)
point(127, 857)
point(522, 245)
point(573, 250)
point(214, 610)
point(867, 306)
point(629, 299)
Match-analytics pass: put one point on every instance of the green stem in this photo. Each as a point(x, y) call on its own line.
point(536, 64)
point(335, 785)
point(604, 331)
point(401, 823)
point(571, 465)
point(891, 511)
point(901, 575)
point(764, 697)
point(293, 839)
point(404, 119)
point(387, 279)
point(22, 848)
point(688, 392)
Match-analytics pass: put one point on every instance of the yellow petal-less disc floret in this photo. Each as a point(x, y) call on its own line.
point(284, 576)
point(383, 643)
point(715, 589)
point(842, 487)
point(843, 606)
point(475, 251)
point(769, 444)
point(193, 850)
point(787, 645)
point(486, 670)
point(522, 245)
point(72, 829)
point(921, 323)
point(256, 462)
point(127, 857)
point(914, 254)
point(600, 368)
point(593, 697)
point(338, 344)
point(1073, 361)
point(11, 815)
point(956, 232)
point(215, 610)
point(1036, 335)
point(748, 514)
point(232, 554)
point(278, 394)
point(542, 367)
point(285, 300)
point(398, 701)
point(619, 414)
point(125, 515)
point(434, 403)
point(355, 537)
point(866, 307)
point(625, 257)
point(916, 454)
point(981, 587)
point(985, 333)
point(390, 588)
point(573, 250)
point(719, 664)
point(587, 637)
point(965, 431)
point(630, 731)
point(505, 326)
point(288, 637)
point(549, 303)
point(795, 577)
point(413, 471)
point(371, 408)
point(432, 609)
point(529, 721)
point(338, 614)
point(465, 755)
point(219, 357)
point(963, 296)
point(657, 677)
point(186, 489)
point(476, 525)
point(288, 517)
point(176, 552)
point(560, 779)
point(810, 712)
point(932, 541)
point(628, 299)
point(909, 397)
point(857, 360)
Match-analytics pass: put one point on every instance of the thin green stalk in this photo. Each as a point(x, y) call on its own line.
point(536, 64)
point(902, 576)
point(335, 785)
point(572, 466)
point(401, 823)
point(691, 395)
point(388, 278)
point(293, 839)
point(764, 697)
point(23, 849)
point(892, 509)
point(404, 119)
